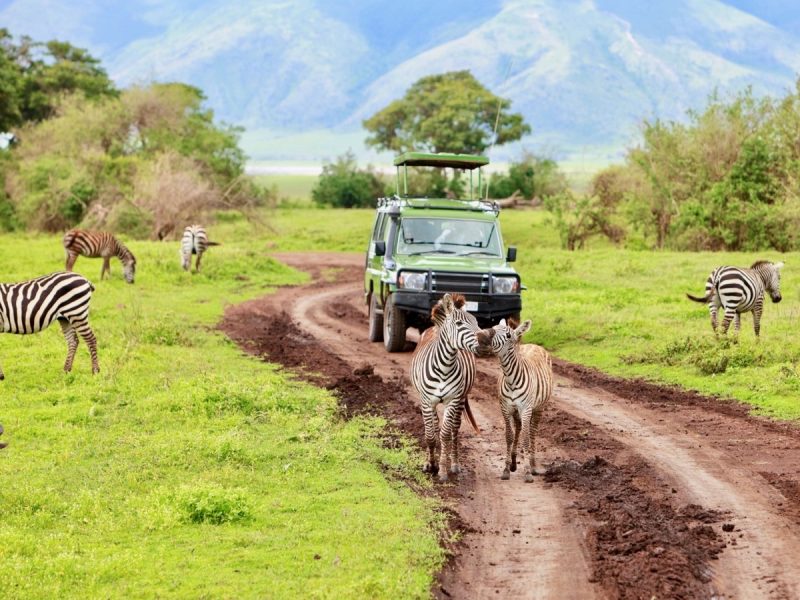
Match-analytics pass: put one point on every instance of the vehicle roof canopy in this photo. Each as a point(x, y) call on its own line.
point(441, 160)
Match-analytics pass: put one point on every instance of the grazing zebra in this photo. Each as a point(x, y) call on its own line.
point(195, 241)
point(31, 306)
point(96, 244)
point(442, 370)
point(525, 388)
point(739, 291)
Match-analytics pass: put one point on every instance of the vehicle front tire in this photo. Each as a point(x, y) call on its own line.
point(394, 326)
point(375, 321)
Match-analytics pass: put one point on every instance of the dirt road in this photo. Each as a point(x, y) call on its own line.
point(649, 491)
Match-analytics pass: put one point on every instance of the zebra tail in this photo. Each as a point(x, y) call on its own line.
point(210, 243)
point(470, 416)
point(69, 237)
point(702, 300)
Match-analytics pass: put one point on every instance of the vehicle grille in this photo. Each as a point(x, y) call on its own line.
point(465, 283)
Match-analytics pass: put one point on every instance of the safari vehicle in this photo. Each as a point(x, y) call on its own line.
point(423, 247)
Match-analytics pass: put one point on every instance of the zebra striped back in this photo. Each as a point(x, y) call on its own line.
point(194, 241)
point(98, 244)
point(31, 306)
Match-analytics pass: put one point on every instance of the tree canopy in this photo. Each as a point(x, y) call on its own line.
point(450, 112)
point(35, 75)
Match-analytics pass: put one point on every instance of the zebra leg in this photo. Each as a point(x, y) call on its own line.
point(536, 418)
point(737, 326)
point(197, 262)
point(726, 320)
point(88, 336)
point(106, 267)
point(712, 308)
point(71, 258)
point(431, 421)
point(455, 467)
point(2, 375)
point(72, 343)
point(526, 418)
point(510, 438)
point(758, 307)
point(517, 429)
point(446, 439)
point(186, 261)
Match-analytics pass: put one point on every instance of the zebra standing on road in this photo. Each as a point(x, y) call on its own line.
point(525, 389)
point(97, 244)
point(739, 291)
point(31, 306)
point(442, 371)
point(195, 241)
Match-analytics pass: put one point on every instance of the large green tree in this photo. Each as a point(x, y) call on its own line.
point(451, 112)
point(34, 76)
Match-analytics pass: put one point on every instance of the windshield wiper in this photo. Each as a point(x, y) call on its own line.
point(479, 252)
point(432, 252)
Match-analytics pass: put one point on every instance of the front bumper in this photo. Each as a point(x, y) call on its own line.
point(490, 307)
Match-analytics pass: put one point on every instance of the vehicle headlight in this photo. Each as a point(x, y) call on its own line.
point(505, 285)
point(412, 281)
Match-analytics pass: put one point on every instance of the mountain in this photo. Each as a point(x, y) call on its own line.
point(301, 75)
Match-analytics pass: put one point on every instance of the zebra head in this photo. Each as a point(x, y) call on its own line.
point(458, 328)
point(504, 336)
point(770, 274)
point(129, 269)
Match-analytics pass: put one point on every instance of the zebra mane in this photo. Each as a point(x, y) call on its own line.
point(458, 300)
point(437, 312)
point(759, 263)
point(512, 323)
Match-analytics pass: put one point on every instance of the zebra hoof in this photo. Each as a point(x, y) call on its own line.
point(443, 478)
point(506, 475)
point(455, 470)
point(513, 462)
point(2, 377)
point(528, 478)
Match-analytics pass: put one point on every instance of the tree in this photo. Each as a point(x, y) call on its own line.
point(34, 76)
point(343, 184)
point(532, 177)
point(451, 112)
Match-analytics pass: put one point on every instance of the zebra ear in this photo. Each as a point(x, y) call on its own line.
point(447, 304)
point(502, 323)
point(779, 265)
point(523, 329)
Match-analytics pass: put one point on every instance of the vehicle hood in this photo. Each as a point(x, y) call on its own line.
point(464, 264)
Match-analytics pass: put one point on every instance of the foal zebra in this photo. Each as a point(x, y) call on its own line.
point(31, 306)
point(443, 370)
point(195, 241)
point(741, 290)
point(525, 388)
point(96, 244)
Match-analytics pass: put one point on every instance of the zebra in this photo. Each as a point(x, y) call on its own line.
point(195, 241)
point(525, 387)
point(739, 291)
point(443, 370)
point(31, 306)
point(95, 244)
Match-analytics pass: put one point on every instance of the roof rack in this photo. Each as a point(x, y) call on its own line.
point(441, 160)
point(440, 204)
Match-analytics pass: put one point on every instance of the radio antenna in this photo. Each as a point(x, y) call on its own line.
point(496, 123)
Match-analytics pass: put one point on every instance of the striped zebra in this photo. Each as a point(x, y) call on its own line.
point(525, 387)
point(738, 291)
point(195, 241)
point(442, 371)
point(31, 306)
point(98, 244)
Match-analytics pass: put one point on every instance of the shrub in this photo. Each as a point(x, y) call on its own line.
point(342, 184)
point(532, 177)
point(214, 506)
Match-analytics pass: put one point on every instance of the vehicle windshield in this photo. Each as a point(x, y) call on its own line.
point(459, 237)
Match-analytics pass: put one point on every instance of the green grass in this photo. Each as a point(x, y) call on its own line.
point(292, 189)
point(186, 469)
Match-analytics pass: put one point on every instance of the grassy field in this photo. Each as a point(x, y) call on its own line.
point(292, 189)
point(186, 469)
point(622, 311)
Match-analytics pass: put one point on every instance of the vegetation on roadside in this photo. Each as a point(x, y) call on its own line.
point(241, 480)
point(726, 179)
point(343, 184)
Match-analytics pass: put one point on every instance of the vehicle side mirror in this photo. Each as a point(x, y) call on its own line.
point(380, 248)
point(511, 256)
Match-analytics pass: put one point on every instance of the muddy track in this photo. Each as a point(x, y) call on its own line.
point(648, 491)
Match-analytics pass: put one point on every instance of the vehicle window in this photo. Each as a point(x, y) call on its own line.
point(448, 236)
point(380, 225)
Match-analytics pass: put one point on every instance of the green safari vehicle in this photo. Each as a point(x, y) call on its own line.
point(423, 247)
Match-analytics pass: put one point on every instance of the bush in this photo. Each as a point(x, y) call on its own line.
point(580, 218)
point(214, 506)
point(532, 177)
point(343, 185)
